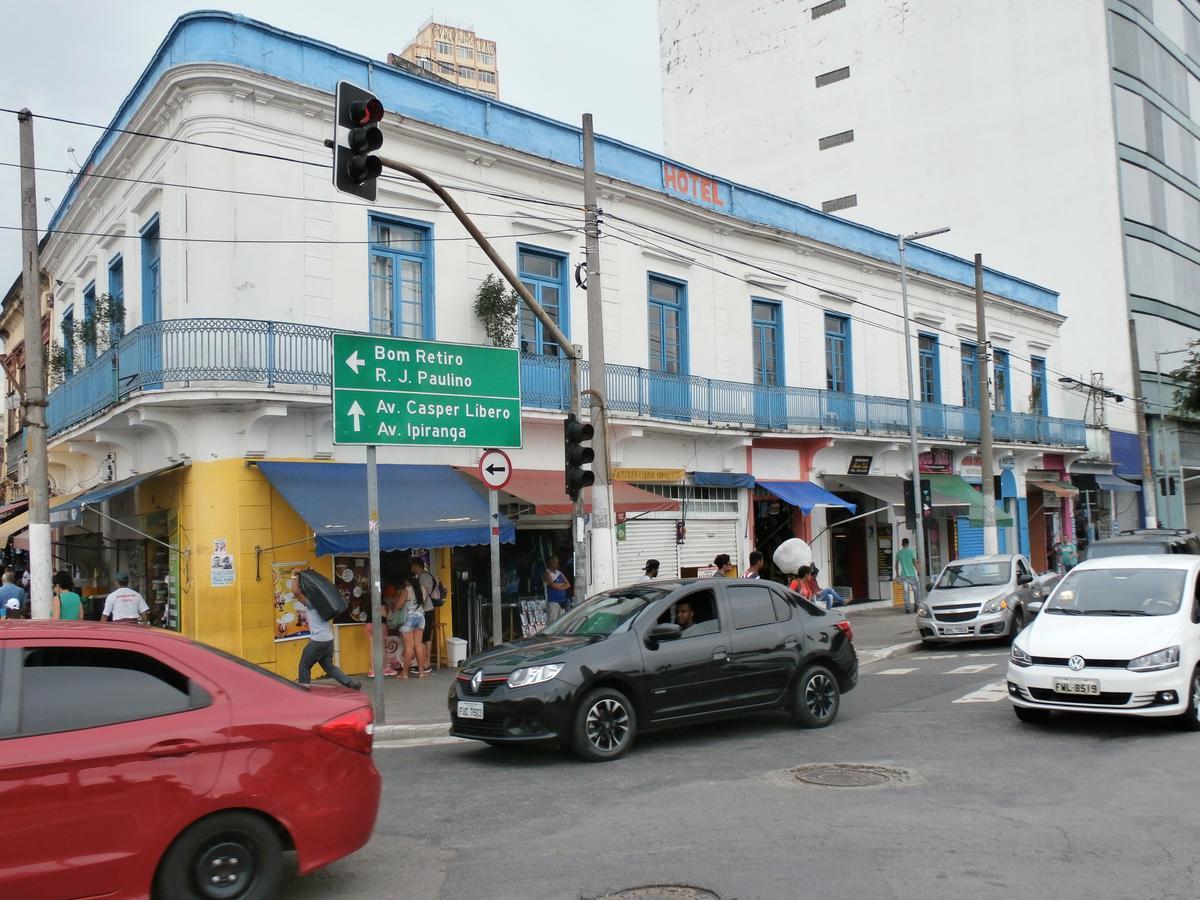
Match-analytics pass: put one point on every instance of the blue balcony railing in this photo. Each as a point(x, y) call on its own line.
point(196, 352)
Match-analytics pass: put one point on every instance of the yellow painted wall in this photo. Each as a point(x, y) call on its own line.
point(232, 501)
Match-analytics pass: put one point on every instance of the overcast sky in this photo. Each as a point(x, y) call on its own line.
point(79, 59)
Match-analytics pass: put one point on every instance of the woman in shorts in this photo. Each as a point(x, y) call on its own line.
point(412, 627)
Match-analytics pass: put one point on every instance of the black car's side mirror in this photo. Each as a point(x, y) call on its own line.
point(1024, 579)
point(664, 631)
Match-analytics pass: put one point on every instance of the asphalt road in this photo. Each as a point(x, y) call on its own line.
point(1082, 807)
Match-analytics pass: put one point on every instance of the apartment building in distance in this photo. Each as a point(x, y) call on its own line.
point(456, 54)
point(1060, 140)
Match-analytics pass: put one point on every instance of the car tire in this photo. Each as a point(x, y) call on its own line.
point(605, 725)
point(930, 645)
point(230, 845)
point(816, 699)
point(1031, 716)
point(1189, 720)
point(1018, 622)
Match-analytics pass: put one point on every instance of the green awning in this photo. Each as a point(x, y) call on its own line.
point(950, 490)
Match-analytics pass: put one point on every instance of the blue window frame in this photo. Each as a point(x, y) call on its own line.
point(116, 293)
point(667, 321)
point(767, 324)
point(1001, 387)
point(544, 272)
point(401, 278)
point(89, 315)
point(1038, 401)
point(68, 341)
point(151, 273)
point(839, 374)
point(970, 376)
point(930, 374)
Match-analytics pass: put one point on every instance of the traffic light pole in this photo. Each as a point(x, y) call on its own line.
point(991, 542)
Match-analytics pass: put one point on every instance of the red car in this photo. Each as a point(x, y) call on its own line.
point(134, 762)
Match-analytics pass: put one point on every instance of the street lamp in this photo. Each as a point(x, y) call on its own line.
point(1162, 422)
point(918, 507)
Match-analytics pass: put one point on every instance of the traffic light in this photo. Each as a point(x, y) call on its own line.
point(356, 135)
point(576, 455)
point(926, 500)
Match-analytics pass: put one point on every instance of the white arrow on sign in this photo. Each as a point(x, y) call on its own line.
point(356, 412)
point(355, 362)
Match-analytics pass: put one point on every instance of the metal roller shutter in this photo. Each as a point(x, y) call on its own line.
point(1128, 510)
point(706, 538)
point(970, 538)
point(647, 539)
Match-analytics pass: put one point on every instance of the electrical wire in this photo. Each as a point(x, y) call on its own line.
point(285, 241)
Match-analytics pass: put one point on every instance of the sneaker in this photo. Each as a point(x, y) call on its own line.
point(356, 685)
point(426, 671)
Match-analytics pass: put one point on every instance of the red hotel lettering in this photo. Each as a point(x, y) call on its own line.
point(685, 182)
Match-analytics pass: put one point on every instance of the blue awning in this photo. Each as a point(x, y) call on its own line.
point(805, 495)
point(72, 510)
point(1120, 485)
point(722, 479)
point(419, 506)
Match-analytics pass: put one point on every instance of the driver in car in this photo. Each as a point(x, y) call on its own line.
point(685, 616)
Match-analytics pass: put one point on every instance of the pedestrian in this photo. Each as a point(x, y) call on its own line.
point(557, 590)
point(423, 584)
point(649, 572)
point(125, 604)
point(12, 609)
point(756, 564)
point(412, 624)
point(319, 649)
point(826, 597)
point(725, 569)
point(906, 565)
point(11, 591)
point(67, 604)
point(800, 583)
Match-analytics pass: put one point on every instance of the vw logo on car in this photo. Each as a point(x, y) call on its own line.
point(1076, 663)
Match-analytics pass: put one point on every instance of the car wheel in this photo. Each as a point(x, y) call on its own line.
point(1190, 718)
point(605, 725)
point(930, 645)
point(817, 698)
point(1031, 716)
point(1018, 622)
point(227, 855)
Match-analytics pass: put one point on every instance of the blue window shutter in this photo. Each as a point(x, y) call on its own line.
point(970, 537)
point(1022, 518)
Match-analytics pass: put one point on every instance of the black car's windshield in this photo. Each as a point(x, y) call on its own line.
point(1118, 592)
point(605, 613)
point(1102, 549)
point(978, 574)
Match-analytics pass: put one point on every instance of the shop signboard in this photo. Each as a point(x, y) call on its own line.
point(860, 465)
point(407, 392)
point(971, 466)
point(938, 461)
point(646, 476)
point(1008, 462)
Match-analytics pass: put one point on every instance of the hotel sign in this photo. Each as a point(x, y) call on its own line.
point(680, 182)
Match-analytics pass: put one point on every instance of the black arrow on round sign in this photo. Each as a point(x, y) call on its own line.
point(492, 469)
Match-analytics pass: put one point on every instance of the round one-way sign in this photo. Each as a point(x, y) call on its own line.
point(495, 469)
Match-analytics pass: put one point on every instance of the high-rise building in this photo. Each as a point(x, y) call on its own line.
point(455, 54)
point(1058, 139)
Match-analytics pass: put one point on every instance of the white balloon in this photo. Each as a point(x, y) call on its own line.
point(792, 554)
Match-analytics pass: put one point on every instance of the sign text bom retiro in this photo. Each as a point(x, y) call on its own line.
point(403, 391)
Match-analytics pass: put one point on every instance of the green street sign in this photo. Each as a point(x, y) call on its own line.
point(424, 393)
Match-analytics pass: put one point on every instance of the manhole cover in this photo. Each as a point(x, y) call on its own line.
point(850, 775)
point(661, 892)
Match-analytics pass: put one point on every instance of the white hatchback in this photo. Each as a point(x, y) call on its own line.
point(1118, 635)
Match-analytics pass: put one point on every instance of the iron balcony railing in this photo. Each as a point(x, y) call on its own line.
point(195, 352)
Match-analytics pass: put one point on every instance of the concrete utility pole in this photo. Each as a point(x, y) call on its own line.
point(35, 381)
point(991, 540)
point(1149, 489)
point(602, 552)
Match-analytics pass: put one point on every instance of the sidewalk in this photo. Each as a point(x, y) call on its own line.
point(416, 707)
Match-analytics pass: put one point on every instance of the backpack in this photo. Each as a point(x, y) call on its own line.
point(437, 593)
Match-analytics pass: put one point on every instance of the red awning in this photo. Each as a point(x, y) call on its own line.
point(545, 491)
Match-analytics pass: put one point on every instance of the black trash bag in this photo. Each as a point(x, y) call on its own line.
point(324, 597)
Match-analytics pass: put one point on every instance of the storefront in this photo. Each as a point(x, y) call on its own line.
point(783, 509)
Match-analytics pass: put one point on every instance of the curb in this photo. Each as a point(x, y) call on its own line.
point(403, 731)
point(873, 656)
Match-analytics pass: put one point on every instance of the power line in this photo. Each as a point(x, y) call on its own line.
point(204, 240)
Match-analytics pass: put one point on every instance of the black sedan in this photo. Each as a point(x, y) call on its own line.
point(654, 655)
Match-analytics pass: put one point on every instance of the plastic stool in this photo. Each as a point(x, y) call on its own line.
point(437, 653)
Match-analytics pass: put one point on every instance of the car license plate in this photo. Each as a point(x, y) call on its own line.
point(1077, 686)
point(470, 710)
point(956, 629)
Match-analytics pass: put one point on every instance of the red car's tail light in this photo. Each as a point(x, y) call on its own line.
point(845, 627)
point(353, 730)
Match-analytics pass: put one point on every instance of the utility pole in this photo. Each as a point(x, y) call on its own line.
point(991, 540)
point(35, 381)
point(602, 552)
point(1149, 490)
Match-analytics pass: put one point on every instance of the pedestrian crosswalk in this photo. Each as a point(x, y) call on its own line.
point(989, 693)
point(953, 666)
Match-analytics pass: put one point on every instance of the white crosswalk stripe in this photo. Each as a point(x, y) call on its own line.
point(973, 669)
point(989, 693)
point(938, 656)
point(896, 671)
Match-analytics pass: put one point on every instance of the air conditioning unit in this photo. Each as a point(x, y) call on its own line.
point(13, 402)
point(23, 470)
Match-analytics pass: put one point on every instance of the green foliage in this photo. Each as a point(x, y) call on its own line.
point(92, 336)
point(1187, 383)
point(496, 309)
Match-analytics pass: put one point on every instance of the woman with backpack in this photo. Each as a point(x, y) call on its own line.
point(429, 591)
point(412, 623)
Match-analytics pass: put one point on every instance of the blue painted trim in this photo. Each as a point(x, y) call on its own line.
point(151, 304)
point(428, 316)
point(68, 324)
point(845, 336)
point(116, 267)
point(220, 37)
point(970, 364)
point(776, 324)
point(89, 315)
point(936, 355)
point(685, 362)
point(1037, 371)
point(563, 284)
point(1000, 363)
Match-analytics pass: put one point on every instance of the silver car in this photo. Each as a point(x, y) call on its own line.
point(980, 598)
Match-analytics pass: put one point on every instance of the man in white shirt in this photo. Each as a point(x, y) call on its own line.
point(125, 604)
point(319, 650)
point(649, 573)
